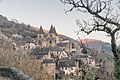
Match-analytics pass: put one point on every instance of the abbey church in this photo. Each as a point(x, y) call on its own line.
point(47, 39)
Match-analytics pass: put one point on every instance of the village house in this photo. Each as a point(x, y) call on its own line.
point(92, 62)
point(67, 67)
point(86, 59)
point(67, 46)
point(57, 53)
point(59, 56)
point(48, 53)
point(41, 53)
point(49, 66)
point(29, 46)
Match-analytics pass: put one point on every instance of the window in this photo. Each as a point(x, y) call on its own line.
point(71, 68)
point(50, 35)
point(65, 68)
point(73, 46)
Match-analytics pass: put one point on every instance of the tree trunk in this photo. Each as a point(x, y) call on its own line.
point(116, 57)
point(114, 47)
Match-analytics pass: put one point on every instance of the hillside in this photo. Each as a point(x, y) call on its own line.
point(9, 28)
point(14, 27)
point(18, 37)
point(98, 45)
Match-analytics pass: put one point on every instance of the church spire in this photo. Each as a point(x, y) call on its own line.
point(55, 31)
point(41, 31)
point(52, 30)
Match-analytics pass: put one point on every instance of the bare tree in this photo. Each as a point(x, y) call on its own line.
point(105, 18)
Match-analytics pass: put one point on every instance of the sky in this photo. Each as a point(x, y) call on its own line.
point(47, 13)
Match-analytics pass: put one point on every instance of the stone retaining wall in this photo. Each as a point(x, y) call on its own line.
point(14, 74)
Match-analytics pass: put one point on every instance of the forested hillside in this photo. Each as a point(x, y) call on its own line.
point(14, 27)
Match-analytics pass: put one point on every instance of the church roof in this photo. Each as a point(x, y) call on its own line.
point(52, 30)
point(62, 44)
point(41, 31)
point(55, 31)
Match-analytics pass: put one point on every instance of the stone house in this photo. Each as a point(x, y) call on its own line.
point(41, 53)
point(48, 53)
point(29, 46)
point(49, 66)
point(67, 46)
point(86, 59)
point(92, 62)
point(67, 67)
point(57, 52)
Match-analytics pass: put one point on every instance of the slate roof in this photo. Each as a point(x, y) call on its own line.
point(48, 61)
point(55, 31)
point(41, 31)
point(65, 39)
point(52, 30)
point(55, 48)
point(28, 39)
point(39, 57)
point(79, 56)
point(66, 63)
point(38, 51)
point(62, 44)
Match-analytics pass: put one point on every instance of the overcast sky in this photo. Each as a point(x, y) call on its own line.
point(45, 13)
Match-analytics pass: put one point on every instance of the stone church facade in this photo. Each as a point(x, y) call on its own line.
point(47, 39)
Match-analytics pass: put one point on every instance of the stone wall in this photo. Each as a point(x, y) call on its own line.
point(14, 74)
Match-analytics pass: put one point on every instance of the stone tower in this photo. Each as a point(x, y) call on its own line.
point(41, 39)
point(52, 36)
point(40, 33)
